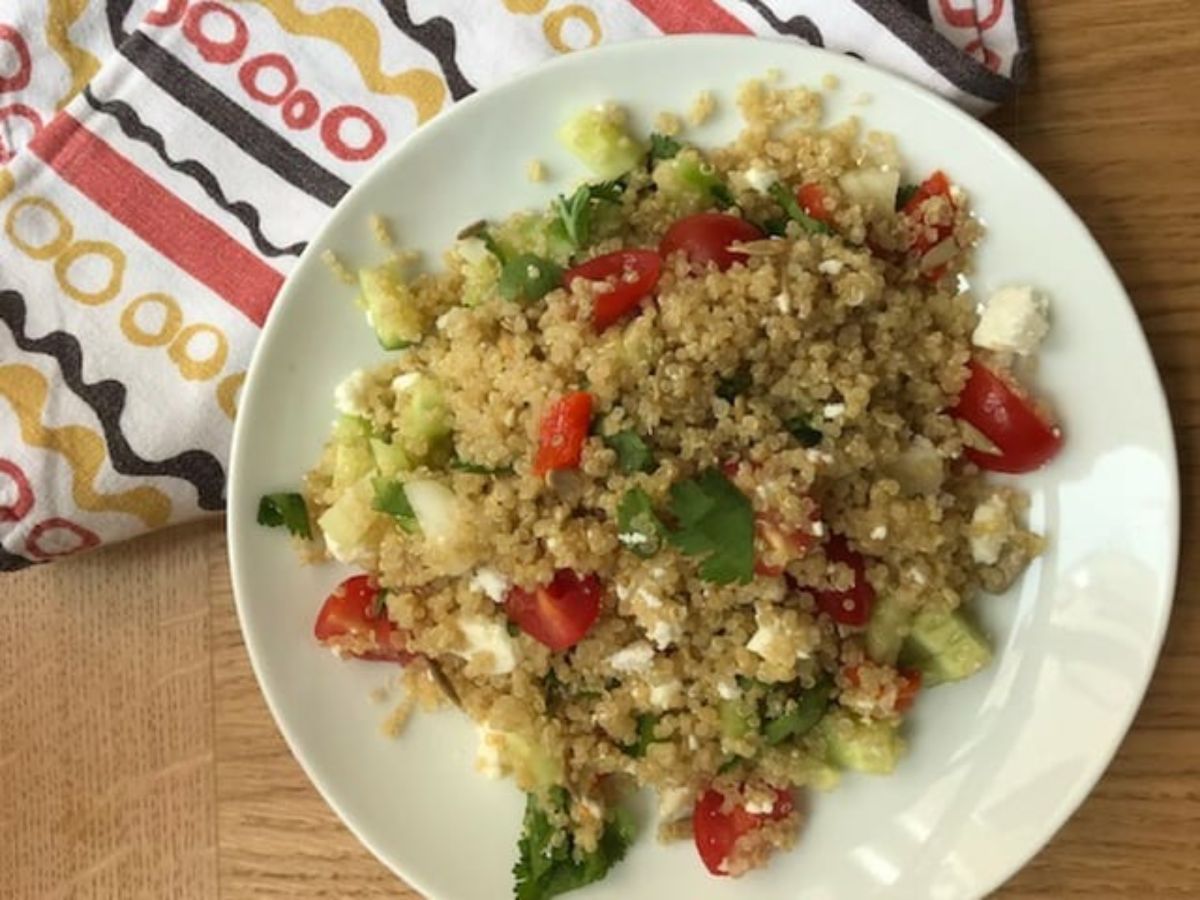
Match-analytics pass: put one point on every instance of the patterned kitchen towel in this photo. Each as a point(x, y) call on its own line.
point(163, 163)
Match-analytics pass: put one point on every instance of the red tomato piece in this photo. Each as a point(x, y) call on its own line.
point(636, 275)
point(910, 686)
point(1023, 437)
point(563, 432)
point(558, 614)
point(851, 606)
point(705, 238)
point(811, 198)
point(716, 833)
point(352, 621)
point(936, 185)
point(776, 546)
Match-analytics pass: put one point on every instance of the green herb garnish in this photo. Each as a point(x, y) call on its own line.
point(459, 464)
point(286, 509)
point(800, 428)
point(633, 453)
point(905, 194)
point(784, 198)
point(803, 713)
point(638, 528)
point(549, 862)
point(721, 195)
point(734, 385)
point(575, 212)
point(528, 277)
point(391, 499)
point(646, 723)
point(663, 146)
point(716, 521)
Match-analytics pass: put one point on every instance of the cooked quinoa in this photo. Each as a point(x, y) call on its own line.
point(804, 392)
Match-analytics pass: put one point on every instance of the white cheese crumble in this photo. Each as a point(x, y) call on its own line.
point(674, 803)
point(634, 658)
point(834, 410)
point(488, 581)
point(762, 640)
point(783, 302)
point(404, 381)
point(991, 527)
point(760, 808)
point(633, 538)
point(664, 633)
point(879, 532)
point(1012, 321)
point(666, 694)
point(650, 600)
point(760, 178)
point(728, 690)
point(831, 267)
point(350, 397)
point(484, 636)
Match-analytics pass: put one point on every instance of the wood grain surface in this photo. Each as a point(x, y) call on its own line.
point(137, 758)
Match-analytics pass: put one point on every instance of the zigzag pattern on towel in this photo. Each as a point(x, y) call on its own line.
point(107, 400)
point(135, 129)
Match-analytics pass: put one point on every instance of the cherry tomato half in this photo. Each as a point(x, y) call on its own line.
point(558, 614)
point(776, 546)
point(1024, 439)
point(352, 620)
point(811, 198)
point(936, 185)
point(634, 273)
point(705, 237)
point(563, 432)
point(851, 606)
point(716, 832)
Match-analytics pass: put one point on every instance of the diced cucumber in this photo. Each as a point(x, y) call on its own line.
point(391, 308)
point(424, 422)
point(535, 764)
point(352, 460)
point(390, 459)
point(737, 718)
point(599, 138)
point(345, 524)
point(873, 189)
point(687, 175)
point(873, 747)
point(889, 626)
point(436, 508)
point(348, 428)
point(945, 647)
point(480, 270)
point(541, 235)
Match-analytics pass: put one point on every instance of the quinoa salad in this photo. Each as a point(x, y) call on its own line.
point(681, 483)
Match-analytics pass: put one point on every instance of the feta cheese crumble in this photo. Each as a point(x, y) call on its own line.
point(1012, 321)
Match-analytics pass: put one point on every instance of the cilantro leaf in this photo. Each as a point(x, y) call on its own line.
point(721, 195)
point(734, 385)
point(663, 146)
point(801, 429)
point(716, 521)
point(638, 528)
point(528, 277)
point(784, 198)
point(575, 212)
point(391, 499)
point(459, 464)
point(633, 453)
point(645, 736)
point(548, 864)
point(287, 509)
point(905, 194)
point(804, 712)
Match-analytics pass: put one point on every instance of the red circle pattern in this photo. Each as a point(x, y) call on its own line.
point(20, 111)
point(331, 133)
point(86, 538)
point(223, 52)
point(248, 76)
point(19, 78)
point(19, 507)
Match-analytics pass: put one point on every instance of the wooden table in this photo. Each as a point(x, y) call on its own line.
point(137, 757)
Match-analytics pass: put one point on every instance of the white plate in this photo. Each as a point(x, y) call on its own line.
point(996, 764)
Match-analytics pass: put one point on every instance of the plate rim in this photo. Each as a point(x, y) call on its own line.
point(546, 69)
